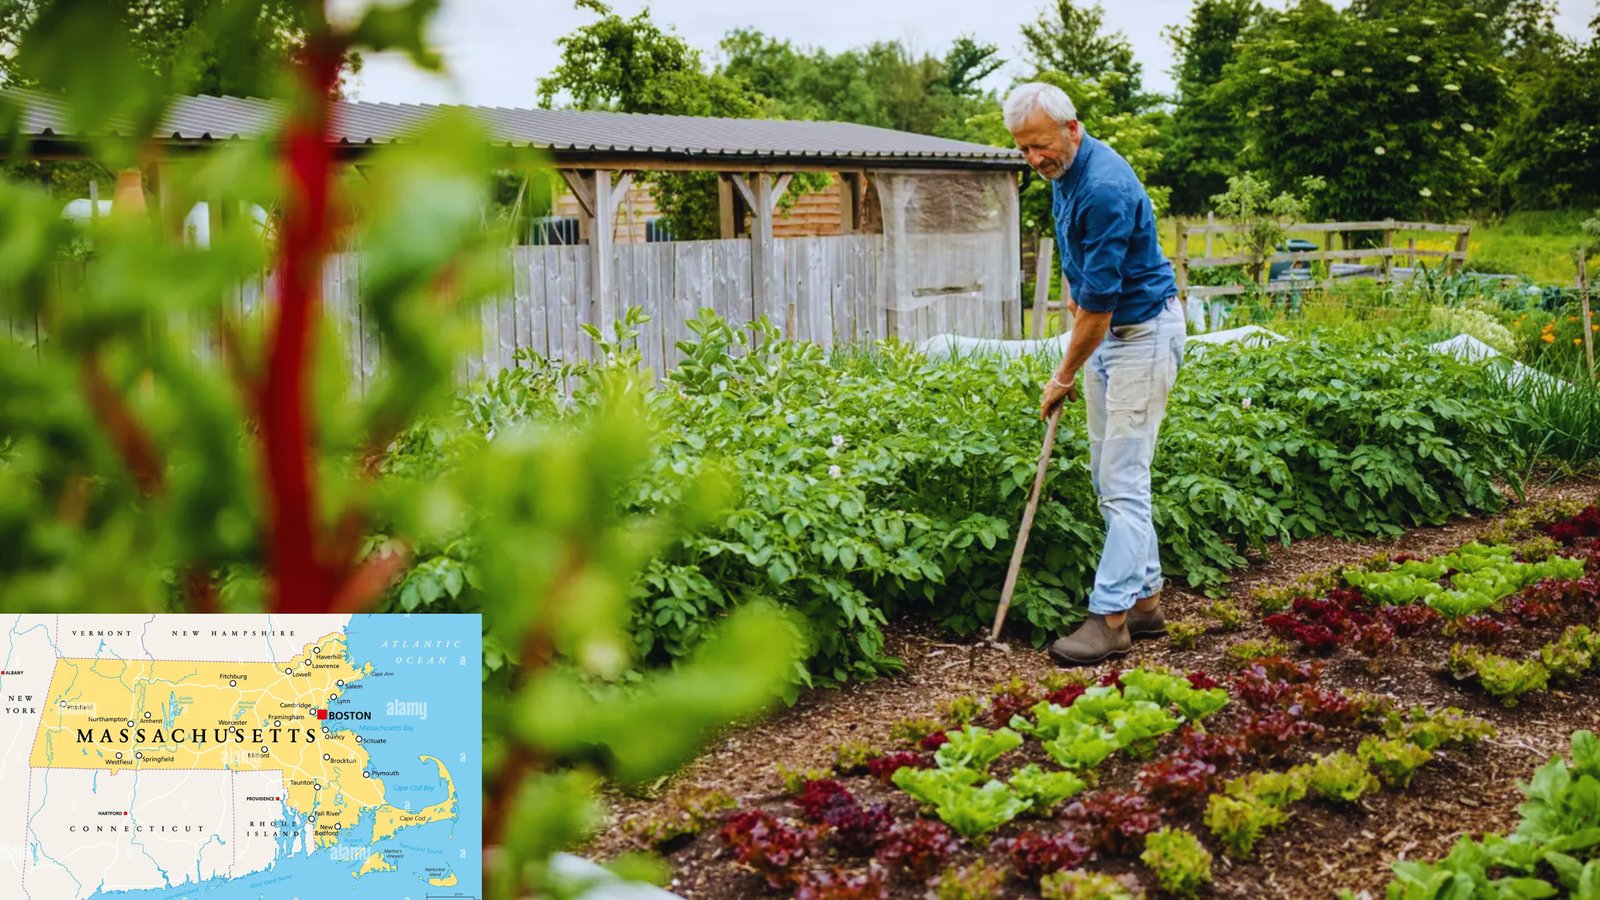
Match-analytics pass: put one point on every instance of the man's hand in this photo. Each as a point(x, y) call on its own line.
point(1056, 390)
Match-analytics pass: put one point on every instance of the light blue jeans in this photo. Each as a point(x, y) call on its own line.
point(1125, 385)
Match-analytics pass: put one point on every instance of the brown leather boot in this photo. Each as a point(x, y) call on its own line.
point(1093, 642)
point(1149, 623)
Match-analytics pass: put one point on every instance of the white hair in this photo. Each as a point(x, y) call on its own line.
point(1026, 98)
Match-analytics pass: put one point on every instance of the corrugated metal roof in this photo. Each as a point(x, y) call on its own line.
point(620, 136)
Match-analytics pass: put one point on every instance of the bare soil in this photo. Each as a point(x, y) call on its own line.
point(1324, 849)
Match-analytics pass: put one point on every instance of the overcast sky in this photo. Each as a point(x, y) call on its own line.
point(496, 50)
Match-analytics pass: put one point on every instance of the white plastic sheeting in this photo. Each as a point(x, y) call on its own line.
point(593, 882)
point(951, 248)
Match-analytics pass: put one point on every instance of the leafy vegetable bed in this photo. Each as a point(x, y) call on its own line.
point(1320, 778)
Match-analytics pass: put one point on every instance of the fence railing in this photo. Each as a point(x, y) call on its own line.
point(1385, 271)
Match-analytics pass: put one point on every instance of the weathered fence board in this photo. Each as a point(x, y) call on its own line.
point(827, 290)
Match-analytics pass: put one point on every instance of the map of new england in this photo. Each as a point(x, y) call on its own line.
point(178, 756)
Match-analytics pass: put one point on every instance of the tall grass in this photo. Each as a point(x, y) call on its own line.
point(1560, 428)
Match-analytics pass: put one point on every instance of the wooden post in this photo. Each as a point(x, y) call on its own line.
point(1211, 219)
point(94, 204)
point(1583, 296)
point(765, 286)
point(725, 205)
point(599, 198)
point(847, 202)
point(1041, 284)
point(1388, 251)
point(1462, 243)
point(1182, 267)
point(1411, 254)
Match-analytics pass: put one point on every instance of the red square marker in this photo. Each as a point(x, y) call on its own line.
point(124, 813)
point(322, 714)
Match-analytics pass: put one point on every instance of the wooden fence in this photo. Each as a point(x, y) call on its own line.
point(828, 291)
point(1386, 253)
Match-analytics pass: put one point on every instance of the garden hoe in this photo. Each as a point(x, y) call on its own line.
point(1022, 543)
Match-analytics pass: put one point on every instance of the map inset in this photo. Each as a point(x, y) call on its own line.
point(175, 757)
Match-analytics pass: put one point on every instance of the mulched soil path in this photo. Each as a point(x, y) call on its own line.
point(1322, 850)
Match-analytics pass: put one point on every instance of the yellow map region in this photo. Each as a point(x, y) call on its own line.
point(375, 863)
point(145, 715)
point(447, 881)
point(389, 820)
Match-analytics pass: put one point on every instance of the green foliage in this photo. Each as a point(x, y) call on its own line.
point(1077, 884)
point(1572, 655)
point(690, 814)
point(1559, 828)
point(852, 757)
point(794, 780)
point(1105, 719)
point(911, 731)
point(1070, 38)
point(959, 711)
point(1228, 616)
point(973, 882)
point(1395, 761)
point(975, 748)
point(1274, 789)
point(1244, 653)
point(1249, 202)
point(1394, 112)
point(1506, 679)
point(1448, 729)
point(1181, 864)
point(1042, 790)
point(959, 801)
point(1340, 777)
point(1238, 821)
point(1343, 439)
point(1483, 576)
point(634, 66)
point(884, 84)
point(1184, 635)
point(1200, 146)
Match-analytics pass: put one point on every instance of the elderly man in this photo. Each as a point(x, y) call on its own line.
point(1127, 343)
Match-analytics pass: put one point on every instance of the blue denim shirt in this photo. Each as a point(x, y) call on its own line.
point(1106, 232)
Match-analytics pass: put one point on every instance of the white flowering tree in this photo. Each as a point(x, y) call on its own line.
point(1393, 113)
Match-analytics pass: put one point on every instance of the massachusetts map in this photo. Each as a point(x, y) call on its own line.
point(167, 757)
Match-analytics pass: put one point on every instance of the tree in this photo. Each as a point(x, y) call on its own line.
point(882, 84)
point(1248, 203)
point(1200, 146)
point(1393, 113)
point(181, 40)
point(1071, 39)
point(1544, 155)
point(633, 66)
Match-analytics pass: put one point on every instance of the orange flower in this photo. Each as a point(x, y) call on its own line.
point(1572, 318)
point(1548, 338)
point(1576, 342)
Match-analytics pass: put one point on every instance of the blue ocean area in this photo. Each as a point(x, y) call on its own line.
point(418, 709)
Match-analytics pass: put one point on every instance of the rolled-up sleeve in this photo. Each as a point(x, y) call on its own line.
point(1107, 215)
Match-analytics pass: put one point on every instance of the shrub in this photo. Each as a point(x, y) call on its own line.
point(1181, 864)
